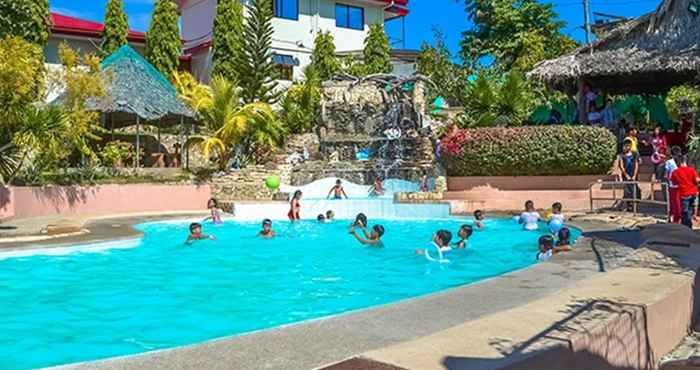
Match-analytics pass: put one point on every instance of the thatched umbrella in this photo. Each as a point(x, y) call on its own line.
point(137, 88)
point(650, 54)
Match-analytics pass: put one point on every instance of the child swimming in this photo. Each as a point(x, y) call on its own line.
point(213, 206)
point(374, 238)
point(337, 190)
point(465, 231)
point(441, 241)
point(360, 220)
point(479, 216)
point(295, 207)
point(564, 239)
point(329, 215)
point(321, 218)
point(530, 217)
point(267, 231)
point(556, 220)
point(196, 234)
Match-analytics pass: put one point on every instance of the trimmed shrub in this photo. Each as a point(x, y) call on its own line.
point(528, 151)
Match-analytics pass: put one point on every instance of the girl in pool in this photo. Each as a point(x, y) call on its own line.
point(267, 231)
point(374, 238)
point(465, 231)
point(377, 188)
point(213, 206)
point(556, 220)
point(530, 217)
point(479, 217)
point(564, 239)
point(360, 220)
point(196, 234)
point(329, 215)
point(295, 207)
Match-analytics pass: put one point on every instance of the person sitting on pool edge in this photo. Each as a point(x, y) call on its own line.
point(196, 234)
point(374, 238)
point(479, 217)
point(267, 231)
point(337, 190)
point(465, 231)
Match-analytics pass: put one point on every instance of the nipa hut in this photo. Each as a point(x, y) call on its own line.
point(647, 55)
point(138, 92)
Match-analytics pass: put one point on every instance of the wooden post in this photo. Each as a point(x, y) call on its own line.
point(138, 142)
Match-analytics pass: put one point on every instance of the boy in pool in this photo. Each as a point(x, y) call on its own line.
point(321, 218)
point(196, 234)
point(329, 215)
point(267, 231)
point(564, 240)
point(374, 239)
point(530, 217)
point(441, 240)
point(337, 190)
point(479, 217)
point(465, 231)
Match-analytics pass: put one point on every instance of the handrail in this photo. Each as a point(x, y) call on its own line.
point(635, 201)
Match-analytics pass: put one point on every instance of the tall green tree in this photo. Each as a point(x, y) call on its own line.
point(228, 39)
point(116, 28)
point(515, 33)
point(163, 45)
point(376, 52)
point(324, 61)
point(436, 63)
point(28, 19)
point(257, 73)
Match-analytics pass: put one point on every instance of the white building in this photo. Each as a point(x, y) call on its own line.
point(296, 24)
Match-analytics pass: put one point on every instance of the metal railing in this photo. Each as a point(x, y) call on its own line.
point(635, 200)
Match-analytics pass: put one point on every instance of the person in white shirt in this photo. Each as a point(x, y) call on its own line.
point(530, 217)
point(674, 198)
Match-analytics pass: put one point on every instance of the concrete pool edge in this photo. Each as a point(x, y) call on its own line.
point(319, 342)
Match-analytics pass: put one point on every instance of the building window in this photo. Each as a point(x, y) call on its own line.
point(347, 16)
point(287, 9)
point(285, 66)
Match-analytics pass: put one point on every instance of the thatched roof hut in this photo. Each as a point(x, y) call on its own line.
point(137, 88)
point(649, 54)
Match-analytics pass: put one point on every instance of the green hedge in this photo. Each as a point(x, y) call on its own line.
point(528, 151)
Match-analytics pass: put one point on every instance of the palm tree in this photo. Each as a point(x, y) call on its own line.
point(230, 124)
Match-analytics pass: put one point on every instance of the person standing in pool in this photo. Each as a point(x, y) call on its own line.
point(530, 217)
point(465, 231)
point(479, 218)
point(213, 206)
point(372, 239)
point(196, 234)
point(295, 207)
point(337, 190)
point(267, 231)
point(377, 189)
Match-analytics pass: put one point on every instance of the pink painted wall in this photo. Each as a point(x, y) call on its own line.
point(106, 199)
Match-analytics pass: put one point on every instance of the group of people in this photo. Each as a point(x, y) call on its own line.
point(375, 190)
point(671, 167)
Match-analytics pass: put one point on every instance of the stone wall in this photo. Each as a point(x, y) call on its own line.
point(248, 183)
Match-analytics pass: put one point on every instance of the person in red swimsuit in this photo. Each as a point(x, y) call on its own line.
point(295, 207)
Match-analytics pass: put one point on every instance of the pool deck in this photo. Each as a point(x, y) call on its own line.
point(614, 302)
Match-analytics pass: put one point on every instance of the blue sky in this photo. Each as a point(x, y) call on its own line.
point(447, 15)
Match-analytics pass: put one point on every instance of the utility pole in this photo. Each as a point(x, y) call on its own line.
point(587, 20)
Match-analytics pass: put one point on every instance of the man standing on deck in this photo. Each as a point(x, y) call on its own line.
point(686, 178)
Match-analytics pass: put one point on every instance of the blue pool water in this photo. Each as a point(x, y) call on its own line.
point(88, 304)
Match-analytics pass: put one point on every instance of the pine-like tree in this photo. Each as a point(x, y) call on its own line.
point(228, 39)
point(324, 62)
point(257, 73)
point(116, 28)
point(163, 45)
point(28, 19)
point(376, 52)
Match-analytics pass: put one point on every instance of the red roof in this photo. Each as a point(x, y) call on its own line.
point(65, 25)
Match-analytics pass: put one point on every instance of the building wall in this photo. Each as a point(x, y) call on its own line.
point(291, 37)
point(81, 44)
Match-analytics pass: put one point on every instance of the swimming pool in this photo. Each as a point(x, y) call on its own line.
point(69, 305)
